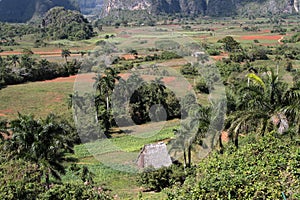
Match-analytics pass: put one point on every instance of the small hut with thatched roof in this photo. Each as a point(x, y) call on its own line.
point(154, 155)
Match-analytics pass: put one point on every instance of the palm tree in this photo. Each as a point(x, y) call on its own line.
point(65, 53)
point(104, 84)
point(13, 59)
point(193, 131)
point(27, 62)
point(43, 142)
point(263, 105)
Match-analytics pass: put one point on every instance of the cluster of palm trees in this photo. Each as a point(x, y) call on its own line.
point(43, 142)
point(259, 104)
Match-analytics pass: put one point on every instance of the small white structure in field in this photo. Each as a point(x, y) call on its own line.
point(154, 155)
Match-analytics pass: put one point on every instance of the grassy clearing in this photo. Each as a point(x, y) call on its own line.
point(38, 98)
point(126, 143)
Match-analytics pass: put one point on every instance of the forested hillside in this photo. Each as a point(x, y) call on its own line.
point(22, 11)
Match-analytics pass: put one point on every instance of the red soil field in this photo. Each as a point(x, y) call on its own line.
point(129, 57)
point(261, 37)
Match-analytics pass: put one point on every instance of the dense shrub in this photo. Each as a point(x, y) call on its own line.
point(189, 69)
point(162, 178)
point(168, 55)
point(213, 52)
point(263, 169)
point(202, 87)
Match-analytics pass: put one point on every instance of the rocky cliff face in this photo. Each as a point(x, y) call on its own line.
point(205, 7)
point(24, 10)
point(188, 7)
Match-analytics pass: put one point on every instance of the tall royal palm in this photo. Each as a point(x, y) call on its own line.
point(104, 85)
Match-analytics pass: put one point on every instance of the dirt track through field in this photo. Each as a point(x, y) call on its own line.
point(56, 52)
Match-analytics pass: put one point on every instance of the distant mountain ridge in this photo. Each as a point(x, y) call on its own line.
point(24, 10)
point(203, 7)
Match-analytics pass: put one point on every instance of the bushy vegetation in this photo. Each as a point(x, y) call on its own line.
point(157, 180)
point(8, 31)
point(264, 168)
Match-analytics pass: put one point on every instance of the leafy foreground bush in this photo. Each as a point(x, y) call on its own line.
point(164, 177)
point(265, 169)
point(20, 179)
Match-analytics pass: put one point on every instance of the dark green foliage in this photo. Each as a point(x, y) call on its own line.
point(289, 52)
point(213, 52)
point(26, 185)
point(289, 66)
point(202, 87)
point(294, 38)
point(261, 169)
point(37, 150)
point(168, 55)
point(189, 69)
point(8, 31)
point(19, 69)
point(148, 95)
point(230, 44)
point(258, 53)
point(238, 57)
point(66, 24)
point(16, 185)
point(162, 178)
point(278, 29)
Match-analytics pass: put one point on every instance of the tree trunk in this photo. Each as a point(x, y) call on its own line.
point(236, 140)
point(189, 156)
point(184, 158)
point(221, 144)
point(47, 180)
point(107, 103)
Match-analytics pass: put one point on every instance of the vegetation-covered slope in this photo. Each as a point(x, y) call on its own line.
point(22, 11)
point(67, 24)
point(267, 168)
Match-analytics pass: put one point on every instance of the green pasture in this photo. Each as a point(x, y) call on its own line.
point(38, 98)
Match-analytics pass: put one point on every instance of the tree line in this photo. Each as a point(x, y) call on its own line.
point(16, 69)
